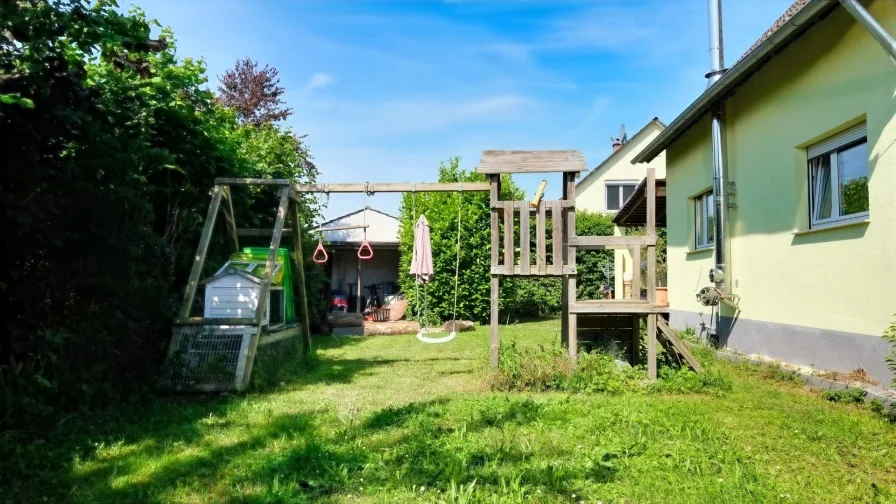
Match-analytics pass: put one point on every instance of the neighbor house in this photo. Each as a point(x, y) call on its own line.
point(809, 118)
point(609, 184)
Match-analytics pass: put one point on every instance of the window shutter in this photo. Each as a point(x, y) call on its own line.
point(838, 140)
point(612, 197)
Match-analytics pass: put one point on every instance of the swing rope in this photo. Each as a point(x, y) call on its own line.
point(453, 334)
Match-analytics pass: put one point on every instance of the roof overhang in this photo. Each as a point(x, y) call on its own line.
point(811, 13)
point(634, 211)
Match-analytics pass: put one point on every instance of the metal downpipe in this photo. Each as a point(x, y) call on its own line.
point(720, 175)
point(886, 41)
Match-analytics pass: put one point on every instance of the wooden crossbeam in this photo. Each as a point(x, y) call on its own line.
point(611, 242)
point(201, 250)
point(342, 228)
point(300, 274)
point(231, 218)
point(261, 232)
point(360, 187)
point(234, 321)
point(265, 286)
point(615, 306)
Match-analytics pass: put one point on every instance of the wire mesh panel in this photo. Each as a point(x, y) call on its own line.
point(208, 357)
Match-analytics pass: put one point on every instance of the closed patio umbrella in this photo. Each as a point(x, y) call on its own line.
point(421, 262)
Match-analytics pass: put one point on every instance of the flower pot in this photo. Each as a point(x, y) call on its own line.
point(662, 296)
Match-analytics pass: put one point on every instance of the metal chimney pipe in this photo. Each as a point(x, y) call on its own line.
point(719, 161)
point(716, 43)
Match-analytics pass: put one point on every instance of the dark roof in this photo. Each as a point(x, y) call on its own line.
point(634, 210)
point(612, 156)
point(781, 21)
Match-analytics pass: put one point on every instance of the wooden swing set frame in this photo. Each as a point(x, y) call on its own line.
point(565, 244)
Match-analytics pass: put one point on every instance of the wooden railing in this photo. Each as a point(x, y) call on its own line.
point(513, 254)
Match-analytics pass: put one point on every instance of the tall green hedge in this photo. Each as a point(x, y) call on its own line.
point(521, 298)
point(441, 211)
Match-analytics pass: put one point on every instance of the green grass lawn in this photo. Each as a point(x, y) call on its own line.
point(389, 419)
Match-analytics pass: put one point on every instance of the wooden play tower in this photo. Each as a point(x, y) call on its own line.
point(513, 252)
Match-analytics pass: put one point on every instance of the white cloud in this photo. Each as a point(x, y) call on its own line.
point(518, 53)
point(399, 117)
point(317, 81)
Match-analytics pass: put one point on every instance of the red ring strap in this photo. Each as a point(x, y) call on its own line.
point(361, 254)
point(317, 258)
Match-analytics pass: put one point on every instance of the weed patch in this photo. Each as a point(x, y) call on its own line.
point(547, 368)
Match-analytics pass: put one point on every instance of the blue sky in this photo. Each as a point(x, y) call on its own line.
point(387, 90)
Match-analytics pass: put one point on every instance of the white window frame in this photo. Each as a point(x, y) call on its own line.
point(618, 185)
point(701, 222)
point(831, 147)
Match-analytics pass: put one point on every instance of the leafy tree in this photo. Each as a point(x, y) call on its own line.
point(855, 196)
point(110, 145)
point(254, 93)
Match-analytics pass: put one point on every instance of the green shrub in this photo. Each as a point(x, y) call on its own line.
point(685, 381)
point(847, 396)
point(890, 336)
point(594, 267)
point(889, 414)
point(600, 372)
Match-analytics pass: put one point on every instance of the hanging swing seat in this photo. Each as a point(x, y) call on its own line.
point(422, 336)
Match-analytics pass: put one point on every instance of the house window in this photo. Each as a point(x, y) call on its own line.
point(838, 178)
point(617, 193)
point(704, 224)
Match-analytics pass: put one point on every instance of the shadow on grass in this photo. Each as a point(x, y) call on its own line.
point(213, 451)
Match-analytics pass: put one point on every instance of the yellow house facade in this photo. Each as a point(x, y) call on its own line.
point(606, 187)
point(810, 147)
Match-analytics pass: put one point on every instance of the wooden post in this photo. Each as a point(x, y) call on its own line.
point(231, 218)
point(651, 233)
point(494, 196)
point(636, 272)
point(495, 342)
point(359, 291)
point(636, 338)
point(201, 250)
point(265, 286)
point(572, 325)
point(509, 255)
point(557, 237)
point(300, 266)
point(560, 262)
point(540, 247)
point(525, 259)
point(651, 346)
